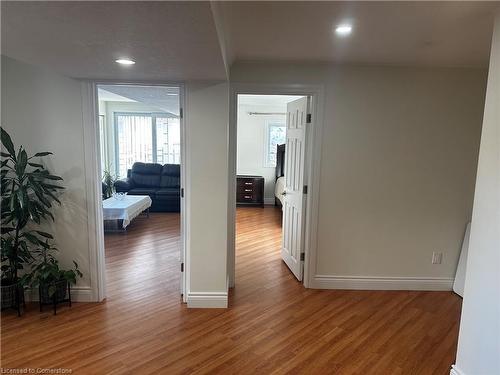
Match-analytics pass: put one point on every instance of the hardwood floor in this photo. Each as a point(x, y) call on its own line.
point(273, 325)
point(144, 261)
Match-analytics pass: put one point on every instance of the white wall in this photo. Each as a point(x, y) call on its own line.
point(207, 192)
point(43, 112)
point(399, 154)
point(251, 144)
point(479, 339)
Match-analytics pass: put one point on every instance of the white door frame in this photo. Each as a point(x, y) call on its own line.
point(92, 162)
point(312, 165)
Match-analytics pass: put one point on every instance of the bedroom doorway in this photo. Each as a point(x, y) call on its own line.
point(140, 136)
point(270, 184)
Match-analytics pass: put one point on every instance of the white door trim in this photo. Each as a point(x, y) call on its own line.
point(92, 162)
point(455, 370)
point(313, 161)
point(92, 166)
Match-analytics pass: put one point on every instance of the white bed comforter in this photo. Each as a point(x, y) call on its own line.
point(279, 188)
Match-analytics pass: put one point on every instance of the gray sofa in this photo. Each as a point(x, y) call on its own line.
point(160, 182)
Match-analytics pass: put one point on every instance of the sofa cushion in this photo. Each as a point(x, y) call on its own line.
point(147, 168)
point(170, 182)
point(143, 191)
point(167, 192)
point(170, 176)
point(146, 180)
point(124, 185)
point(146, 174)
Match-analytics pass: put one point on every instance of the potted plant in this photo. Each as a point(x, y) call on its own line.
point(27, 193)
point(108, 180)
point(12, 292)
point(53, 283)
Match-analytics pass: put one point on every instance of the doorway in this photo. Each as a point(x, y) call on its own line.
point(271, 183)
point(140, 138)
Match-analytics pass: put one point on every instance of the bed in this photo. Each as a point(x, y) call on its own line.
point(279, 187)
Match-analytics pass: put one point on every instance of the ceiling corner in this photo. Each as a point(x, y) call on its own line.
point(223, 35)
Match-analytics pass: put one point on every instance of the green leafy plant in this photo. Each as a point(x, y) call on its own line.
point(109, 180)
point(45, 271)
point(27, 193)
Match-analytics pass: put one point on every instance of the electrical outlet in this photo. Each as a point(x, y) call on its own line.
point(437, 257)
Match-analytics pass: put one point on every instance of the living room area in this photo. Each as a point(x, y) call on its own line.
point(140, 154)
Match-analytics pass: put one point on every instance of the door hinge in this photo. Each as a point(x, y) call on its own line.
point(182, 192)
point(302, 256)
point(181, 113)
point(304, 190)
point(182, 267)
point(309, 118)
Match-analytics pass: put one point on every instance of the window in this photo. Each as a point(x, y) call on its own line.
point(148, 138)
point(168, 140)
point(275, 135)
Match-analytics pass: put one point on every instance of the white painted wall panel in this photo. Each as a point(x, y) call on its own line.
point(479, 339)
point(399, 156)
point(43, 111)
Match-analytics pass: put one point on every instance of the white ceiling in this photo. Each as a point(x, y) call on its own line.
point(275, 101)
point(394, 33)
point(162, 97)
point(108, 96)
point(82, 39)
point(180, 41)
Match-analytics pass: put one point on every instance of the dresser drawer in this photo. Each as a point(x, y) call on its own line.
point(246, 190)
point(250, 190)
point(249, 197)
point(247, 184)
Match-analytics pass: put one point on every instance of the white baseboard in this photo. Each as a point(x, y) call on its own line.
point(208, 300)
point(78, 294)
point(381, 283)
point(456, 371)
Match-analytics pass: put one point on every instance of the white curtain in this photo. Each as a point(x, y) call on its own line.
point(168, 140)
point(135, 141)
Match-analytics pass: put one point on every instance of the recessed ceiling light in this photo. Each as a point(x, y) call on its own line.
point(343, 30)
point(125, 62)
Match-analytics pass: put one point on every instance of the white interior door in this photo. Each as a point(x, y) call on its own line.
point(293, 202)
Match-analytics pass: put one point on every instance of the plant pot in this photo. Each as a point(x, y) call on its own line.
point(12, 295)
point(60, 293)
